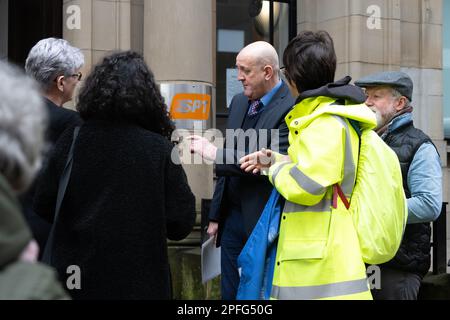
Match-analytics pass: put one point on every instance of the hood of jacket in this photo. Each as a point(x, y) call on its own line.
point(338, 98)
point(340, 90)
point(14, 232)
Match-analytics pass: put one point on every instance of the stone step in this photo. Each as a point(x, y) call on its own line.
point(185, 263)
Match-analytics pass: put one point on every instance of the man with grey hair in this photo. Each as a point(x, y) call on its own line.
point(239, 198)
point(389, 95)
point(22, 125)
point(55, 65)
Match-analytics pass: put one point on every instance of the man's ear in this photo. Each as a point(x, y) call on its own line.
point(401, 103)
point(268, 72)
point(60, 83)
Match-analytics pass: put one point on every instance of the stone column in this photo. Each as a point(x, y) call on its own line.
point(366, 39)
point(179, 48)
point(97, 27)
point(422, 59)
point(137, 26)
point(178, 39)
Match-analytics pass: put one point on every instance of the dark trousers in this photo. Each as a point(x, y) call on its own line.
point(397, 285)
point(233, 241)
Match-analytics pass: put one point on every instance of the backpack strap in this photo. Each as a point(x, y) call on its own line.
point(62, 186)
point(337, 190)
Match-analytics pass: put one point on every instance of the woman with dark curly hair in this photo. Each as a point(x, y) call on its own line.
point(125, 196)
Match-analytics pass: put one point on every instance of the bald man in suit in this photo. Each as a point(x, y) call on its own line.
point(239, 198)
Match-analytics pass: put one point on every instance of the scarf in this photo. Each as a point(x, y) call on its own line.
point(384, 128)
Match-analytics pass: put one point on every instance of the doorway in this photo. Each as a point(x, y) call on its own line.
point(30, 21)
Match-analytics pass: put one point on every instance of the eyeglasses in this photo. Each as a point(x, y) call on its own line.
point(79, 75)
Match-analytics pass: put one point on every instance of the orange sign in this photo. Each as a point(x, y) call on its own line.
point(190, 106)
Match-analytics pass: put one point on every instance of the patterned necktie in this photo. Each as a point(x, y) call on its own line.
point(254, 108)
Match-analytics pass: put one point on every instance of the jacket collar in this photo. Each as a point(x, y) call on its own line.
point(398, 123)
point(339, 90)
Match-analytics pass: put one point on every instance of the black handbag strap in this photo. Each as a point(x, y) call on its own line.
point(62, 186)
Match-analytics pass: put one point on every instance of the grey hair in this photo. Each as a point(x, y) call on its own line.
point(23, 120)
point(50, 58)
point(397, 95)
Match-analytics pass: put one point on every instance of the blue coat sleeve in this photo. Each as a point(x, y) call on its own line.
point(425, 184)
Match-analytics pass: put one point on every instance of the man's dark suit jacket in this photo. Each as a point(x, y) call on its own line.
point(59, 119)
point(255, 189)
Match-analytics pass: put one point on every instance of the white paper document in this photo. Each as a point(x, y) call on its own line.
point(210, 260)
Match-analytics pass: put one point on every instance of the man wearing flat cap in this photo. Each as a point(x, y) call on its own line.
point(389, 96)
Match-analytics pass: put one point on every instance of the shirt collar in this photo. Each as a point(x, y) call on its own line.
point(269, 95)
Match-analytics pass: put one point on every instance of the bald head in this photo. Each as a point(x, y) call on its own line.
point(258, 69)
point(262, 53)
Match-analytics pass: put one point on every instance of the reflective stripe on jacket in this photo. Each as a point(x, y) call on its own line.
point(318, 254)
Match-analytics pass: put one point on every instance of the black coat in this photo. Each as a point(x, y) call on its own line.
point(414, 252)
point(254, 190)
point(124, 198)
point(59, 119)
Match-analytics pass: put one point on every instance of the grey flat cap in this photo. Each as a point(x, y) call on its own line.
point(400, 81)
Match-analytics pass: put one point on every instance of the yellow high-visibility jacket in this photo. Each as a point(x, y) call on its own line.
point(318, 255)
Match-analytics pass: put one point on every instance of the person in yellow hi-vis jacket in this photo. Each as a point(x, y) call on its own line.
point(318, 253)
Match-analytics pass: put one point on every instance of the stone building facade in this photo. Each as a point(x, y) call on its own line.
point(179, 40)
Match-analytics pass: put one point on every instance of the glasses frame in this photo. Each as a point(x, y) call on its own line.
point(79, 76)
